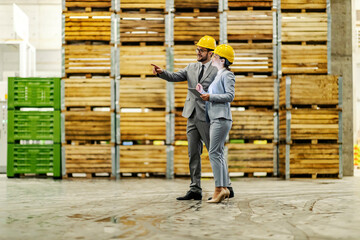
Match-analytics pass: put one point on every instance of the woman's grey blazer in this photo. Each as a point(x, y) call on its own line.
point(223, 93)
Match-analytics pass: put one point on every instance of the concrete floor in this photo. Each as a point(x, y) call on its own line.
point(263, 208)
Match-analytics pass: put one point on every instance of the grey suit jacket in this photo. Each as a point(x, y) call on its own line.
point(191, 74)
point(222, 94)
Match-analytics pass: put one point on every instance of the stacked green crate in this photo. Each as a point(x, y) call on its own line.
point(34, 126)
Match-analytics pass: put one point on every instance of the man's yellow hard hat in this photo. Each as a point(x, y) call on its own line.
point(207, 42)
point(225, 51)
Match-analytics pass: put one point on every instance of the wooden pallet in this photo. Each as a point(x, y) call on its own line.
point(254, 91)
point(310, 90)
point(252, 124)
point(193, 26)
point(250, 158)
point(249, 25)
point(87, 59)
point(196, 4)
point(253, 57)
point(303, 4)
point(152, 92)
point(142, 27)
point(89, 26)
point(183, 55)
point(143, 4)
point(143, 125)
point(311, 159)
point(87, 92)
point(246, 3)
point(88, 159)
point(87, 126)
point(143, 159)
point(181, 161)
point(136, 60)
point(180, 126)
point(180, 93)
point(303, 59)
point(88, 5)
point(310, 124)
point(304, 27)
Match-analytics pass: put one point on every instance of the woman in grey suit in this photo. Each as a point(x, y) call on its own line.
point(221, 93)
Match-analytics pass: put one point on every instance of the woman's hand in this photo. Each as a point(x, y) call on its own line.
point(205, 97)
point(199, 88)
point(157, 69)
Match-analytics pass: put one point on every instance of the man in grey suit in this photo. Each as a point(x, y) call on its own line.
point(197, 129)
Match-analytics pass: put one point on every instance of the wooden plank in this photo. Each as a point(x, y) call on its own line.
point(88, 26)
point(196, 4)
point(250, 25)
point(249, 158)
point(252, 124)
point(181, 160)
point(95, 59)
point(254, 91)
point(87, 126)
point(311, 158)
point(143, 4)
point(310, 89)
point(190, 26)
point(143, 159)
point(135, 60)
point(142, 92)
point(296, 27)
point(308, 124)
point(87, 92)
point(143, 125)
point(137, 27)
point(88, 159)
point(303, 59)
point(303, 4)
point(87, 5)
point(254, 57)
point(249, 3)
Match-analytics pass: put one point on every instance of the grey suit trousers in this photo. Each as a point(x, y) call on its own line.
point(197, 131)
point(219, 129)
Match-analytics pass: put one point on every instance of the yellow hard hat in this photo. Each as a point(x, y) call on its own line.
point(225, 51)
point(207, 42)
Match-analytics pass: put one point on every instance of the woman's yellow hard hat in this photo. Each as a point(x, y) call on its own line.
point(225, 51)
point(207, 42)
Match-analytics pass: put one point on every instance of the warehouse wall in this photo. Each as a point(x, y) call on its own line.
point(44, 34)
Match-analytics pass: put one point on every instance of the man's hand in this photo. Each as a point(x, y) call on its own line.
point(205, 96)
point(157, 69)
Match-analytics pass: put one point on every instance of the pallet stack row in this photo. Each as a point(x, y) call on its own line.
point(310, 98)
point(142, 116)
point(88, 83)
point(34, 127)
point(251, 28)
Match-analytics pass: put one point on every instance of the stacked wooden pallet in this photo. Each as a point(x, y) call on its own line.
point(310, 125)
point(141, 97)
point(88, 84)
point(304, 37)
point(250, 28)
point(192, 20)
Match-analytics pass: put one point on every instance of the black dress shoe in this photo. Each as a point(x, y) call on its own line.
point(231, 193)
point(190, 195)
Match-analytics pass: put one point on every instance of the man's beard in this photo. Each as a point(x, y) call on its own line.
point(203, 59)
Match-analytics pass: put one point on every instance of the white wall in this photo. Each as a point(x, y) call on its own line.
point(356, 74)
point(44, 34)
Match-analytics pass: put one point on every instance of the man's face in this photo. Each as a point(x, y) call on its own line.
point(202, 54)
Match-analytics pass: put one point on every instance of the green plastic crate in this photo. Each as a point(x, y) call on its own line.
point(33, 125)
point(36, 159)
point(34, 92)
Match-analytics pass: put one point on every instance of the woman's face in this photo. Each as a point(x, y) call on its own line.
point(216, 61)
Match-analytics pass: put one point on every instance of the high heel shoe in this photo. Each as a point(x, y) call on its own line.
point(219, 198)
point(227, 194)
